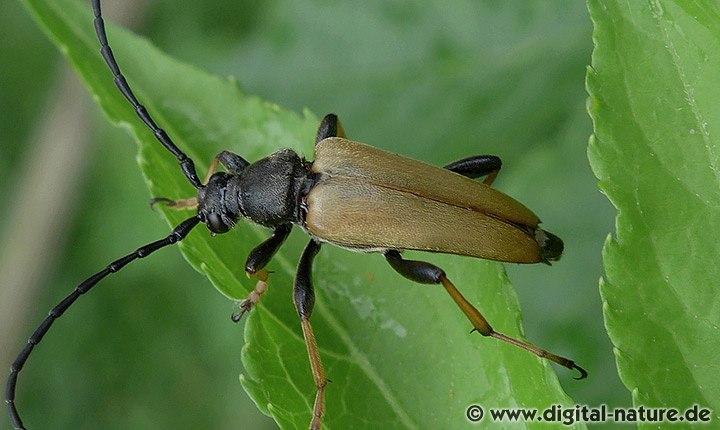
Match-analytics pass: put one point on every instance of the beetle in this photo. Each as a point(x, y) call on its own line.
point(415, 206)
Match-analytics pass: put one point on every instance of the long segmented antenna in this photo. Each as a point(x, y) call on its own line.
point(186, 164)
point(177, 235)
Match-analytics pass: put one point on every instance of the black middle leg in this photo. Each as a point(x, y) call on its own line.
point(426, 273)
point(304, 297)
point(477, 166)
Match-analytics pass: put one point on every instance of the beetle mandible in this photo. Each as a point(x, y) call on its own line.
point(328, 199)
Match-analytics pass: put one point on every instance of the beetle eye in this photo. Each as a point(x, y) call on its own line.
point(215, 223)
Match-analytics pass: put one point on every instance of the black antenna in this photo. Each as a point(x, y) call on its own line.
point(186, 164)
point(177, 235)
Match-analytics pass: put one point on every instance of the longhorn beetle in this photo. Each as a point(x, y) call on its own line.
point(414, 206)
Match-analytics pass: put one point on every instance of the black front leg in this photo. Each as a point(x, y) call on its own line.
point(263, 253)
point(232, 162)
point(254, 265)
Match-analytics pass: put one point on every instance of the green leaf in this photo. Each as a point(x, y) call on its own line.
point(654, 87)
point(398, 354)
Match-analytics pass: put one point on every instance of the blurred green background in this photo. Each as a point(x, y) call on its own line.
point(153, 347)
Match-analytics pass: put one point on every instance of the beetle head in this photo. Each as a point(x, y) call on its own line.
point(215, 210)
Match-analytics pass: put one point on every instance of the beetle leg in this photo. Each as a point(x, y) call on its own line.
point(179, 204)
point(254, 265)
point(232, 162)
point(261, 255)
point(304, 298)
point(426, 273)
point(477, 166)
point(254, 297)
point(329, 127)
